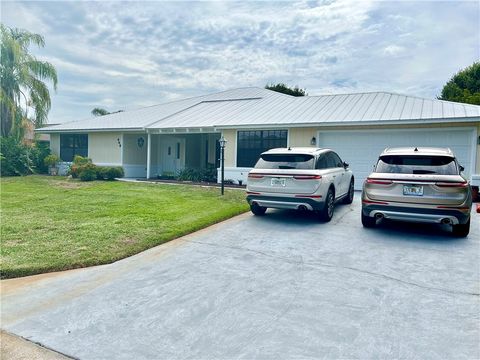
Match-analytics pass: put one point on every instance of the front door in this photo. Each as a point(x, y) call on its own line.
point(172, 159)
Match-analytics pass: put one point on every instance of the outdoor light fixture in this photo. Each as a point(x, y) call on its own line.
point(222, 143)
point(313, 141)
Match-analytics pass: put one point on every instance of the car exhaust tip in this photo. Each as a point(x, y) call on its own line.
point(302, 208)
point(446, 221)
point(378, 216)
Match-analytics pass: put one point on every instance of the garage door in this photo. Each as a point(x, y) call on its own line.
point(361, 148)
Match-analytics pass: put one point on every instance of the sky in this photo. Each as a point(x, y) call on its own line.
point(126, 55)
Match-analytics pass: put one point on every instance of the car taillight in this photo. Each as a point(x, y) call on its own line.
point(452, 184)
point(379, 181)
point(255, 176)
point(307, 177)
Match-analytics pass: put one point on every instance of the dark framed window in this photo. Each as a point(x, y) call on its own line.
point(73, 144)
point(250, 144)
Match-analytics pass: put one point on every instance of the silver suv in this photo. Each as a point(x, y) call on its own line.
point(418, 185)
point(301, 179)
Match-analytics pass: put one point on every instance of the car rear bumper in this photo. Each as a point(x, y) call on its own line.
point(452, 216)
point(280, 202)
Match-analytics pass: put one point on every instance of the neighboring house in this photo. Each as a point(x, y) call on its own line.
point(29, 136)
point(165, 138)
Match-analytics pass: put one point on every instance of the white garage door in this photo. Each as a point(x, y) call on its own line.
point(361, 148)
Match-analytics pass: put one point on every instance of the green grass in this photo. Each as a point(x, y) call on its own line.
point(51, 223)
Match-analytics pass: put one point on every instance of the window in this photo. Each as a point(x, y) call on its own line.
point(322, 162)
point(336, 161)
point(443, 165)
point(285, 161)
point(178, 150)
point(250, 144)
point(73, 144)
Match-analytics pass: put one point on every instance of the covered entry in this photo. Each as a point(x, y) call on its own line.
point(171, 153)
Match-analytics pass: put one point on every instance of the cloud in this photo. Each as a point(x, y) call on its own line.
point(128, 54)
point(394, 50)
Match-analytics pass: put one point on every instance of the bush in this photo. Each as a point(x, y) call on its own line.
point(114, 172)
point(109, 172)
point(198, 175)
point(15, 158)
point(51, 160)
point(40, 150)
point(80, 160)
point(88, 172)
point(189, 174)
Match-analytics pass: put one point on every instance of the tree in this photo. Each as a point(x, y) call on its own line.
point(285, 89)
point(464, 86)
point(24, 96)
point(102, 112)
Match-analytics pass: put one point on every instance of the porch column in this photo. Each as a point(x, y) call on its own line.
point(149, 150)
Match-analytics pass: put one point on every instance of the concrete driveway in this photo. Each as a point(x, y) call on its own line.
point(279, 286)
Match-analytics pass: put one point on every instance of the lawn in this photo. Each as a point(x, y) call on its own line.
point(53, 223)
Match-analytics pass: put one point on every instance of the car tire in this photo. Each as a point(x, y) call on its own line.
point(368, 222)
point(348, 199)
point(326, 213)
point(257, 209)
point(461, 230)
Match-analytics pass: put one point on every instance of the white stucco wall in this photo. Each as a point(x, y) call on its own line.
point(105, 149)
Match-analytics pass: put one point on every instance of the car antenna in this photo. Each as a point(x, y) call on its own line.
point(289, 148)
point(416, 149)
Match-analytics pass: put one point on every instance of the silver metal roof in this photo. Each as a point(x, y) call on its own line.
point(257, 107)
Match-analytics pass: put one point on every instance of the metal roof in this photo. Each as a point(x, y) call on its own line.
point(257, 107)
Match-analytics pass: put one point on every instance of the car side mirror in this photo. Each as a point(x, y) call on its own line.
point(461, 167)
point(345, 165)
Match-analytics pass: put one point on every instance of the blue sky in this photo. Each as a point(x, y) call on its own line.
point(125, 55)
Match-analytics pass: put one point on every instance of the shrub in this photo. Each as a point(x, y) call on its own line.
point(101, 172)
point(114, 172)
point(189, 174)
point(15, 158)
point(80, 160)
point(39, 151)
point(88, 172)
point(74, 171)
point(109, 172)
point(167, 175)
point(51, 160)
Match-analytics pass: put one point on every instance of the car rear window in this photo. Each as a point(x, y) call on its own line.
point(285, 161)
point(442, 165)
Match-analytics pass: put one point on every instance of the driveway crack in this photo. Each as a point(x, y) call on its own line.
point(350, 268)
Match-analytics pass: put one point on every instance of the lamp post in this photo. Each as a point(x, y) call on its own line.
point(222, 143)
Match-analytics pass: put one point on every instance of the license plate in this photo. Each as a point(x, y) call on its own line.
point(277, 182)
point(413, 190)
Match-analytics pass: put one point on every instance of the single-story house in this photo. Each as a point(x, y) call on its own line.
point(166, 138)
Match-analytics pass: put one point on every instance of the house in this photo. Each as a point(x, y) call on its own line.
point(166, 138)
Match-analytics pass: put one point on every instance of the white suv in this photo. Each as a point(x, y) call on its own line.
point(301, 179)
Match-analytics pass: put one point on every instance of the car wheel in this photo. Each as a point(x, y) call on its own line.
point(326, 213)
point(368, 221)
point(461, 230)
point(257, 209)
point(349, 198)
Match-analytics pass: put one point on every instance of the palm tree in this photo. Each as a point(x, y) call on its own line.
point(102, 112)
point(22, 79)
